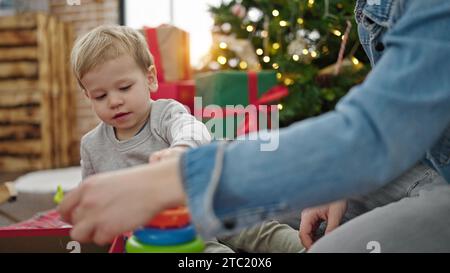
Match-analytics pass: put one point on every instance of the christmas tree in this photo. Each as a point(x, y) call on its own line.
point(313, 45)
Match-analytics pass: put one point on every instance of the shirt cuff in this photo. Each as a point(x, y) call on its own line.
point(201, 169)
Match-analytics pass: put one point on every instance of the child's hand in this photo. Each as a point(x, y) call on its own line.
point(312, 217)
point(167, 153)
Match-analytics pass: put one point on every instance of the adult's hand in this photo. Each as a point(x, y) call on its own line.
point(109, 204)
point(312, 217)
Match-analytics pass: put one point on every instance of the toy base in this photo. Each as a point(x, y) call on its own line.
point(134, 246)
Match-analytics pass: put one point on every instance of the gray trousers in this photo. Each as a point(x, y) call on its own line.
point(267, 237)
point(410, 214)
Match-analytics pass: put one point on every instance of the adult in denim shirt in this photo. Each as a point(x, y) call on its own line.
point(379, 133)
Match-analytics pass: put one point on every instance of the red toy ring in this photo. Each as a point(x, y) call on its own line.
point(171, 218)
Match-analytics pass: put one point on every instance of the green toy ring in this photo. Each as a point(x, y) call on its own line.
point(134, 246)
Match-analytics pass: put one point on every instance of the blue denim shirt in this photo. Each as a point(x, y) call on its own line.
point(399, 115)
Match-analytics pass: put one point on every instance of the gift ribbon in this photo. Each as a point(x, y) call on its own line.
point(273, 94)
point(152, 41)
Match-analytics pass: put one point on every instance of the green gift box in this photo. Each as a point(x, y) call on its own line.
point(230, 122)
point(234, 87)
point(224, 126)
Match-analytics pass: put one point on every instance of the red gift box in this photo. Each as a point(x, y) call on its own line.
point(182, 91)
point(47, 233)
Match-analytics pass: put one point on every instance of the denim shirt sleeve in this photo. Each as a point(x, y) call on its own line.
point(379, 130)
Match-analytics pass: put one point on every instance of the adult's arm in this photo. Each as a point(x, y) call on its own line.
point(379, 130)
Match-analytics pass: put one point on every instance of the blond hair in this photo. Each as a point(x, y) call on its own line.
point(106, 43)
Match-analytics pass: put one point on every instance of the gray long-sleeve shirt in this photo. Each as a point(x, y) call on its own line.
point(169, 125)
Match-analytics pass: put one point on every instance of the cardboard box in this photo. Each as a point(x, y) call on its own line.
point(169, 46)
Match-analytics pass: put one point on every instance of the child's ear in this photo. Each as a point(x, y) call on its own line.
point(151, 79)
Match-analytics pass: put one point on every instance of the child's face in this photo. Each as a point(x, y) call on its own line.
point(119, 92)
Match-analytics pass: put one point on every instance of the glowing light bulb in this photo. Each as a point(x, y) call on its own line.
point(355, 61)
point(288, 81)
point(337, 32)
point(221, 60)
point(233, 62)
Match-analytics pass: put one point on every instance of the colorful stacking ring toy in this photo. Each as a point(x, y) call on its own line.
point(134, 246)
point(162, 237)
point(171, 218)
